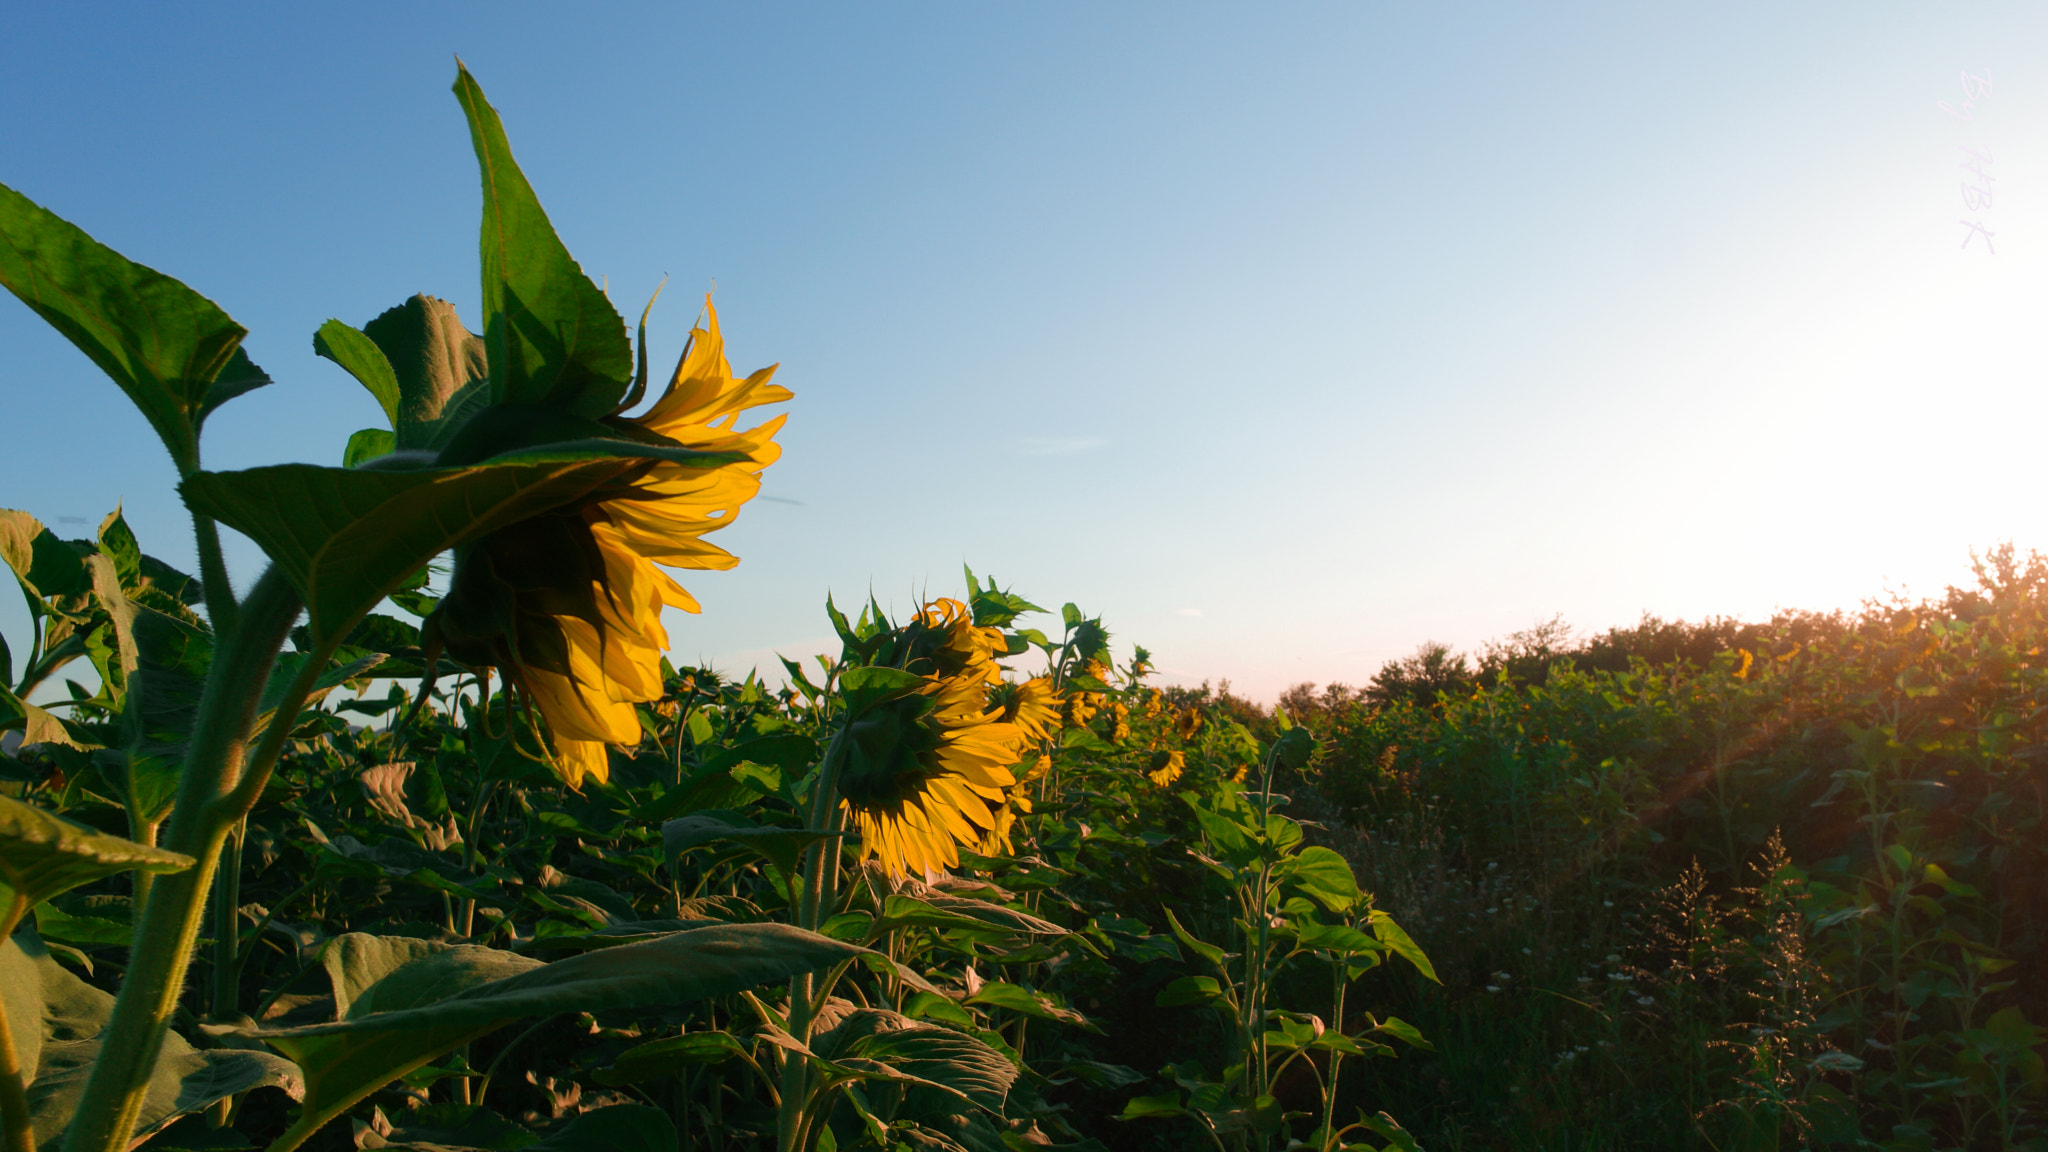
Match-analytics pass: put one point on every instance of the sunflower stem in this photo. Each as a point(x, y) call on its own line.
point(168, 929)
point(821, 869)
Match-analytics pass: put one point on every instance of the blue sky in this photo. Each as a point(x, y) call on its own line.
point(1285, 338)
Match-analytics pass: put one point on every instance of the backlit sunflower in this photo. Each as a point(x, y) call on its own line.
point(927, 773)
point(965, 649)
point(568, 604)
point(1166, 767)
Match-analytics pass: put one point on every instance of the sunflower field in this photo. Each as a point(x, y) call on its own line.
point(966, 885)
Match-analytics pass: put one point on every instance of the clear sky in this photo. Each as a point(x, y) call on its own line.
point(1284, 336)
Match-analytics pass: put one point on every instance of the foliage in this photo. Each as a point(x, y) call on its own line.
point(1801, 868)
point(550, 892)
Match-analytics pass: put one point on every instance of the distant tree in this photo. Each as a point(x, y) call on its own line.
point(1419, 677)
point(1305, 705)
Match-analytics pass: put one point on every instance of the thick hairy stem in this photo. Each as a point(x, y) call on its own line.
point(20, 1133)
point(221, 610)
point(168, 928)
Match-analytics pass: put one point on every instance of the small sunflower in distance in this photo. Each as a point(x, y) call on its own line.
point(1166, 767)
point(927, 773)
point(1017, 803)
point(567, 605)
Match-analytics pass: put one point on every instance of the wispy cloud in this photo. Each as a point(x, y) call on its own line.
point(1187, 611)
point(1058, 445)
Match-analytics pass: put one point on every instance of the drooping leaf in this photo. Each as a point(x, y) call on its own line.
point(1392, 935)
point(360, 357)
point(421, 1009)
point(551, 336)
point(905, 1049)
point(163, 343)
point(1016, 998)
point(348, 538)
point(43, 854)
point(663, 1059)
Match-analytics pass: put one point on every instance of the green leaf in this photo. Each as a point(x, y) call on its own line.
point(163, 695)
point(349, 538)
point(1323, 875)
point(360, 357)
point(1016, 998)
point(1387, 1126)
point(551, 336)
point(47, 567)
point(871, 1042)
point(53, 923)
point(1401, 1030)
point(57, 1021)
point(163, 343)
point(367, 444)
point(1152, 1107)
point(782, 846)
point(1189, 990)
point(1390, 934)
point(1209, 952)
point(664, 1059)
point(438, 1002)
point(863, 688)
point(43, 854)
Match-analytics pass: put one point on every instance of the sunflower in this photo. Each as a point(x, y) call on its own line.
point(1033, 706)
point(568, 604)
point(965, 649)
point(927, 773)
point(1166, 767)
point(1188, 722)
point(1017, 803)
point(1119, 723)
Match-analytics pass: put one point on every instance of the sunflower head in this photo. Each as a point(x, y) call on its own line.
point(928, 772)
point(1187, 723)
point(568, 603)
point(957, 646)
point(1166, 767)
point(1033, 706)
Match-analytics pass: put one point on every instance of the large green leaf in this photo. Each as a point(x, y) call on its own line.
point(42, 854)
point(156, 719)
point(877, 1043)
point(436, 1003)
point(1323, 875)
point(163, 343)
point(551, 335)
point(348, 538)
point(57, 1020)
